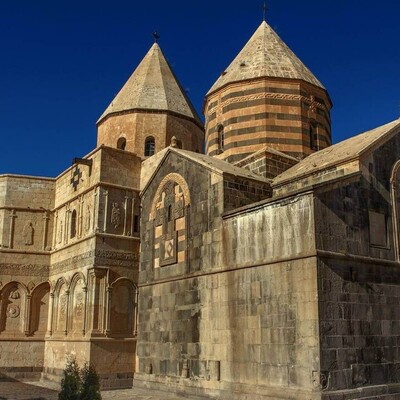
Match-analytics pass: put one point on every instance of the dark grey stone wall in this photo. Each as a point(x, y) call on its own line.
point(358, 280)
point(240, 192)
point(268, 164)
point(359, 324)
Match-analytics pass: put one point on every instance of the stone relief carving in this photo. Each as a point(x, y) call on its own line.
point(25, 269)
point(28, 233)
point(118, 258)
point(63, 306)
point(31, 285)
point(280, 96)
point(71, 263)
point(13, 311)
point(79, 304)
point(14, 295)
point(115, 215)
point(178, 179)
point(113, 258)
point(320, 379)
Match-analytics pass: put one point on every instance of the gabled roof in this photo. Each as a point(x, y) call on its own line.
point(339, 153)
point(211, 163)
point(265, 55)
point(152, 86)
point(220, 166)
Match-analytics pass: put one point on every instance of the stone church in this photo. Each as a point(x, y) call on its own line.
point(266, 268)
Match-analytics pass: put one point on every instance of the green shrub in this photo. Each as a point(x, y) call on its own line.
point(71, 382)
point(90, 383)
point(79, 384)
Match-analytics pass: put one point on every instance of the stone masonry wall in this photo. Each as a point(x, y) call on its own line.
point(260, 112)
point(240, 192)
point(267, 163)
point(135, 127)
point(358, 279)
point(242, 316)
point(25, 240)
point(94, 267)
point(359, 327)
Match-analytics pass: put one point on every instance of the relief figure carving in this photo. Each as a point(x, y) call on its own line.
point(115, 215)
point(28, 233)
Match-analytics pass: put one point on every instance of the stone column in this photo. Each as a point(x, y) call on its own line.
point(46, 218)
point(80, 217)
point(108, 310)
point(85, 291)
point(27, 314)
point(50, 317)
point(13, 215)
point(55, 230)
point(105, 194)
point(96, 201)
point(66, 225)
point(67, 307)
point(96, 306)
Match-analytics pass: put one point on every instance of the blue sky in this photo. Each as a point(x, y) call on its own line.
point(62, 62)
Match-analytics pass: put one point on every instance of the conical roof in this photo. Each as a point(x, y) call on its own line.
point(265, 55)
point(152, 86)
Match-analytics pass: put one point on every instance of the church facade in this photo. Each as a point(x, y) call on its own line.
point(266, 267)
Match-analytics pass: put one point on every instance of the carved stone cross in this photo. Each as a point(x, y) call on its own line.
point(76, 177)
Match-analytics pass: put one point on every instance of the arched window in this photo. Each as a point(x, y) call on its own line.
point(221, 138)
point(121, 143)
point(149, 146)
point(313, 136)
point(73, 224)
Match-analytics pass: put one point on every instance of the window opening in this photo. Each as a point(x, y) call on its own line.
point(121, 143)
point(149, 147)
point(73, 224)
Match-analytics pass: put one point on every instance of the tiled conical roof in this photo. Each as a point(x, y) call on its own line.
point(152, 86)
point(265, 55)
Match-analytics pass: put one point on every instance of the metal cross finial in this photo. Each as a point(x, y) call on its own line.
point(265, 9)
point(156, 36)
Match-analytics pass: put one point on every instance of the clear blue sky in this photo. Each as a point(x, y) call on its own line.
point(62, 62)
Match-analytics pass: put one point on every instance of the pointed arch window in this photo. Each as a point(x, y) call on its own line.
point(149, 146)
point(221, 138)
point(73, 224)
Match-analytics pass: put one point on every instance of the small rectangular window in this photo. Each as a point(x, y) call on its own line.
point(377, 229)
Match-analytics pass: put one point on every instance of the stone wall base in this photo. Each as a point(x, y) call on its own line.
point(9, 374)
point(113, 359)
point(220, 389)
point(107, 381)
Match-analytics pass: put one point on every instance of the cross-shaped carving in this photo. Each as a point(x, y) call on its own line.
point(76, 177)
